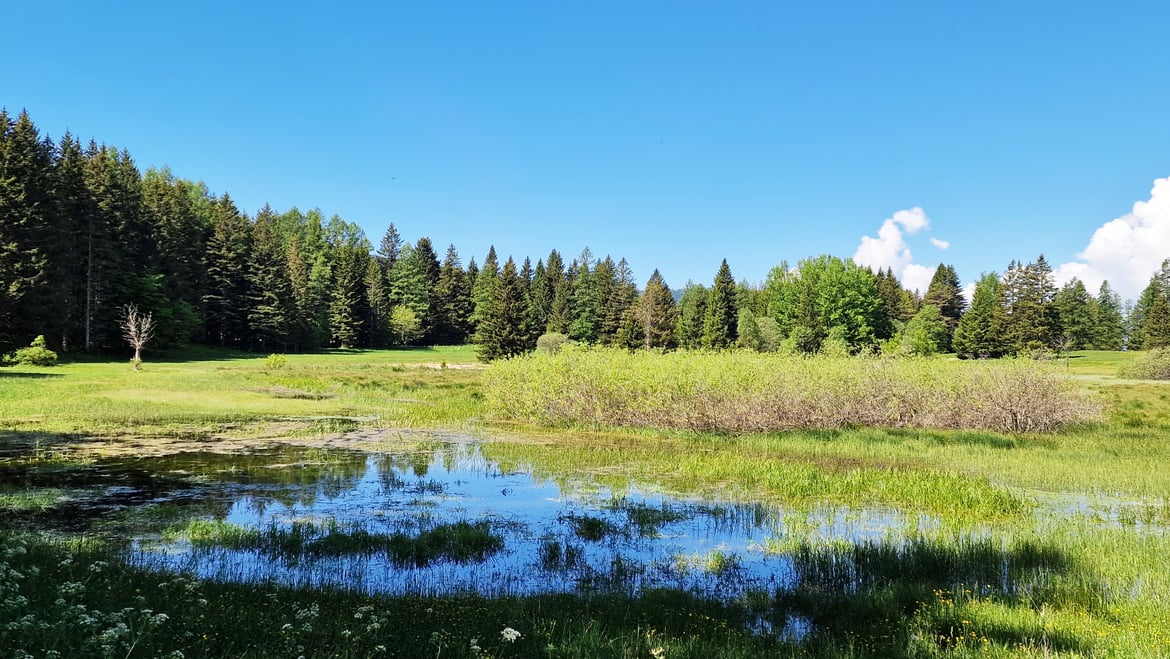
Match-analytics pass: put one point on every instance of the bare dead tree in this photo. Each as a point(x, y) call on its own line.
point(138, 330)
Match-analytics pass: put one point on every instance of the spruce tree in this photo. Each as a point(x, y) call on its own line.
point(228, 262)
point(1028, 291)
point(409, 286)
point(179, 231)
point(270, 314)
point(302, 334)
point(482, 286)
point(721, 316)
point(1159, 286)
point(692, 310)
point(377, 325)
point(584, 299)
point(348, 306)
point(979, 333)
point(75, 216)
point(623, 296)
point(390, 248)
point(658, 314)
point(1109, 332)
point(501, 331)
point(1076, 314)
point(945, 292)
point(452, 300)
point(1157, 325)
point(25, 223)
point(560, 307)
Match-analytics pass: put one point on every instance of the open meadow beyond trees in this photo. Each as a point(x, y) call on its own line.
point(588, 503)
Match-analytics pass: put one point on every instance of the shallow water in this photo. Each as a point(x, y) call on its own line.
point(577, 539)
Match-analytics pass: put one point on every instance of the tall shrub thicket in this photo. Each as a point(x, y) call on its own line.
point(754, 392)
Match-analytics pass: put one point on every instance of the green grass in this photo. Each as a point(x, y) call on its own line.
point(1088, 580)
point(214, 391)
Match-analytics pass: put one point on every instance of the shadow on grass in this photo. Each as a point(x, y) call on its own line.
point(867, 601)
point(891, 598)
point(5, 373)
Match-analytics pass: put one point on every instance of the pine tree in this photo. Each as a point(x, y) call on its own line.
point(377, 325)
point(501, 331)
point(348, 306)
point(75, 215)
point(605, 288)
point(302, 333)
point(180, 234)
point(560, 307)
point(945, 293)
point(658, 314)
point(228, 261)
point(1159, 286)
point(979, 333)
point(25, 223)
point(390, 248)
point(452, 299)
point(408, 284)
point(482, 286)
point(692, 309)
point(721, 316)
point(898, 304)
point(623, 296)
point(1075, 311)
point(584, 299)
point(270, 312)
point(1030, 317)
point(1109, 331)
point(1157, 325)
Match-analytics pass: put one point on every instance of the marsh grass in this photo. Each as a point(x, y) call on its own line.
point(745, 392)
point(459, 542)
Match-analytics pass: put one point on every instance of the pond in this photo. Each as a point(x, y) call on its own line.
point(443, 518)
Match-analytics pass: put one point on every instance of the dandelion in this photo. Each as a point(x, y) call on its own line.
point(510, 635)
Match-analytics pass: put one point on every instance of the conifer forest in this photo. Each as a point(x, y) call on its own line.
point(84, 233)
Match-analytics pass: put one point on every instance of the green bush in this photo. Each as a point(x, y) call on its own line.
point(766, 392)
point(275, 361)
point(36, 354)
point(552, 342)
point(1149, 365)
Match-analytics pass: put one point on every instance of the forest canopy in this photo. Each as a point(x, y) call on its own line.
point(84, 232)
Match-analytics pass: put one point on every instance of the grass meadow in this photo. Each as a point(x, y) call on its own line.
point(1043, 544)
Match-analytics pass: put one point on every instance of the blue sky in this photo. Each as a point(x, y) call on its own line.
point(674, 134)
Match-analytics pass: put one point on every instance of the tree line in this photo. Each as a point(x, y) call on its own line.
point(83, 233)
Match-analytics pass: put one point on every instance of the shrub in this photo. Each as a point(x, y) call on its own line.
point(760, 392)
point(275, 361)
point(552, 342)
point(36, 354)
point(1149, 365)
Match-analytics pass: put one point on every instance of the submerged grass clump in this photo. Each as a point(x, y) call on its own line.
point(461, 542)
point(752, 392)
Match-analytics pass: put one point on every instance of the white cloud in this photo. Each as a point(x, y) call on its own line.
point(1126, 250)
point(889, 249)
point(969, 292)
point(916, 277)
point(941, 244)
